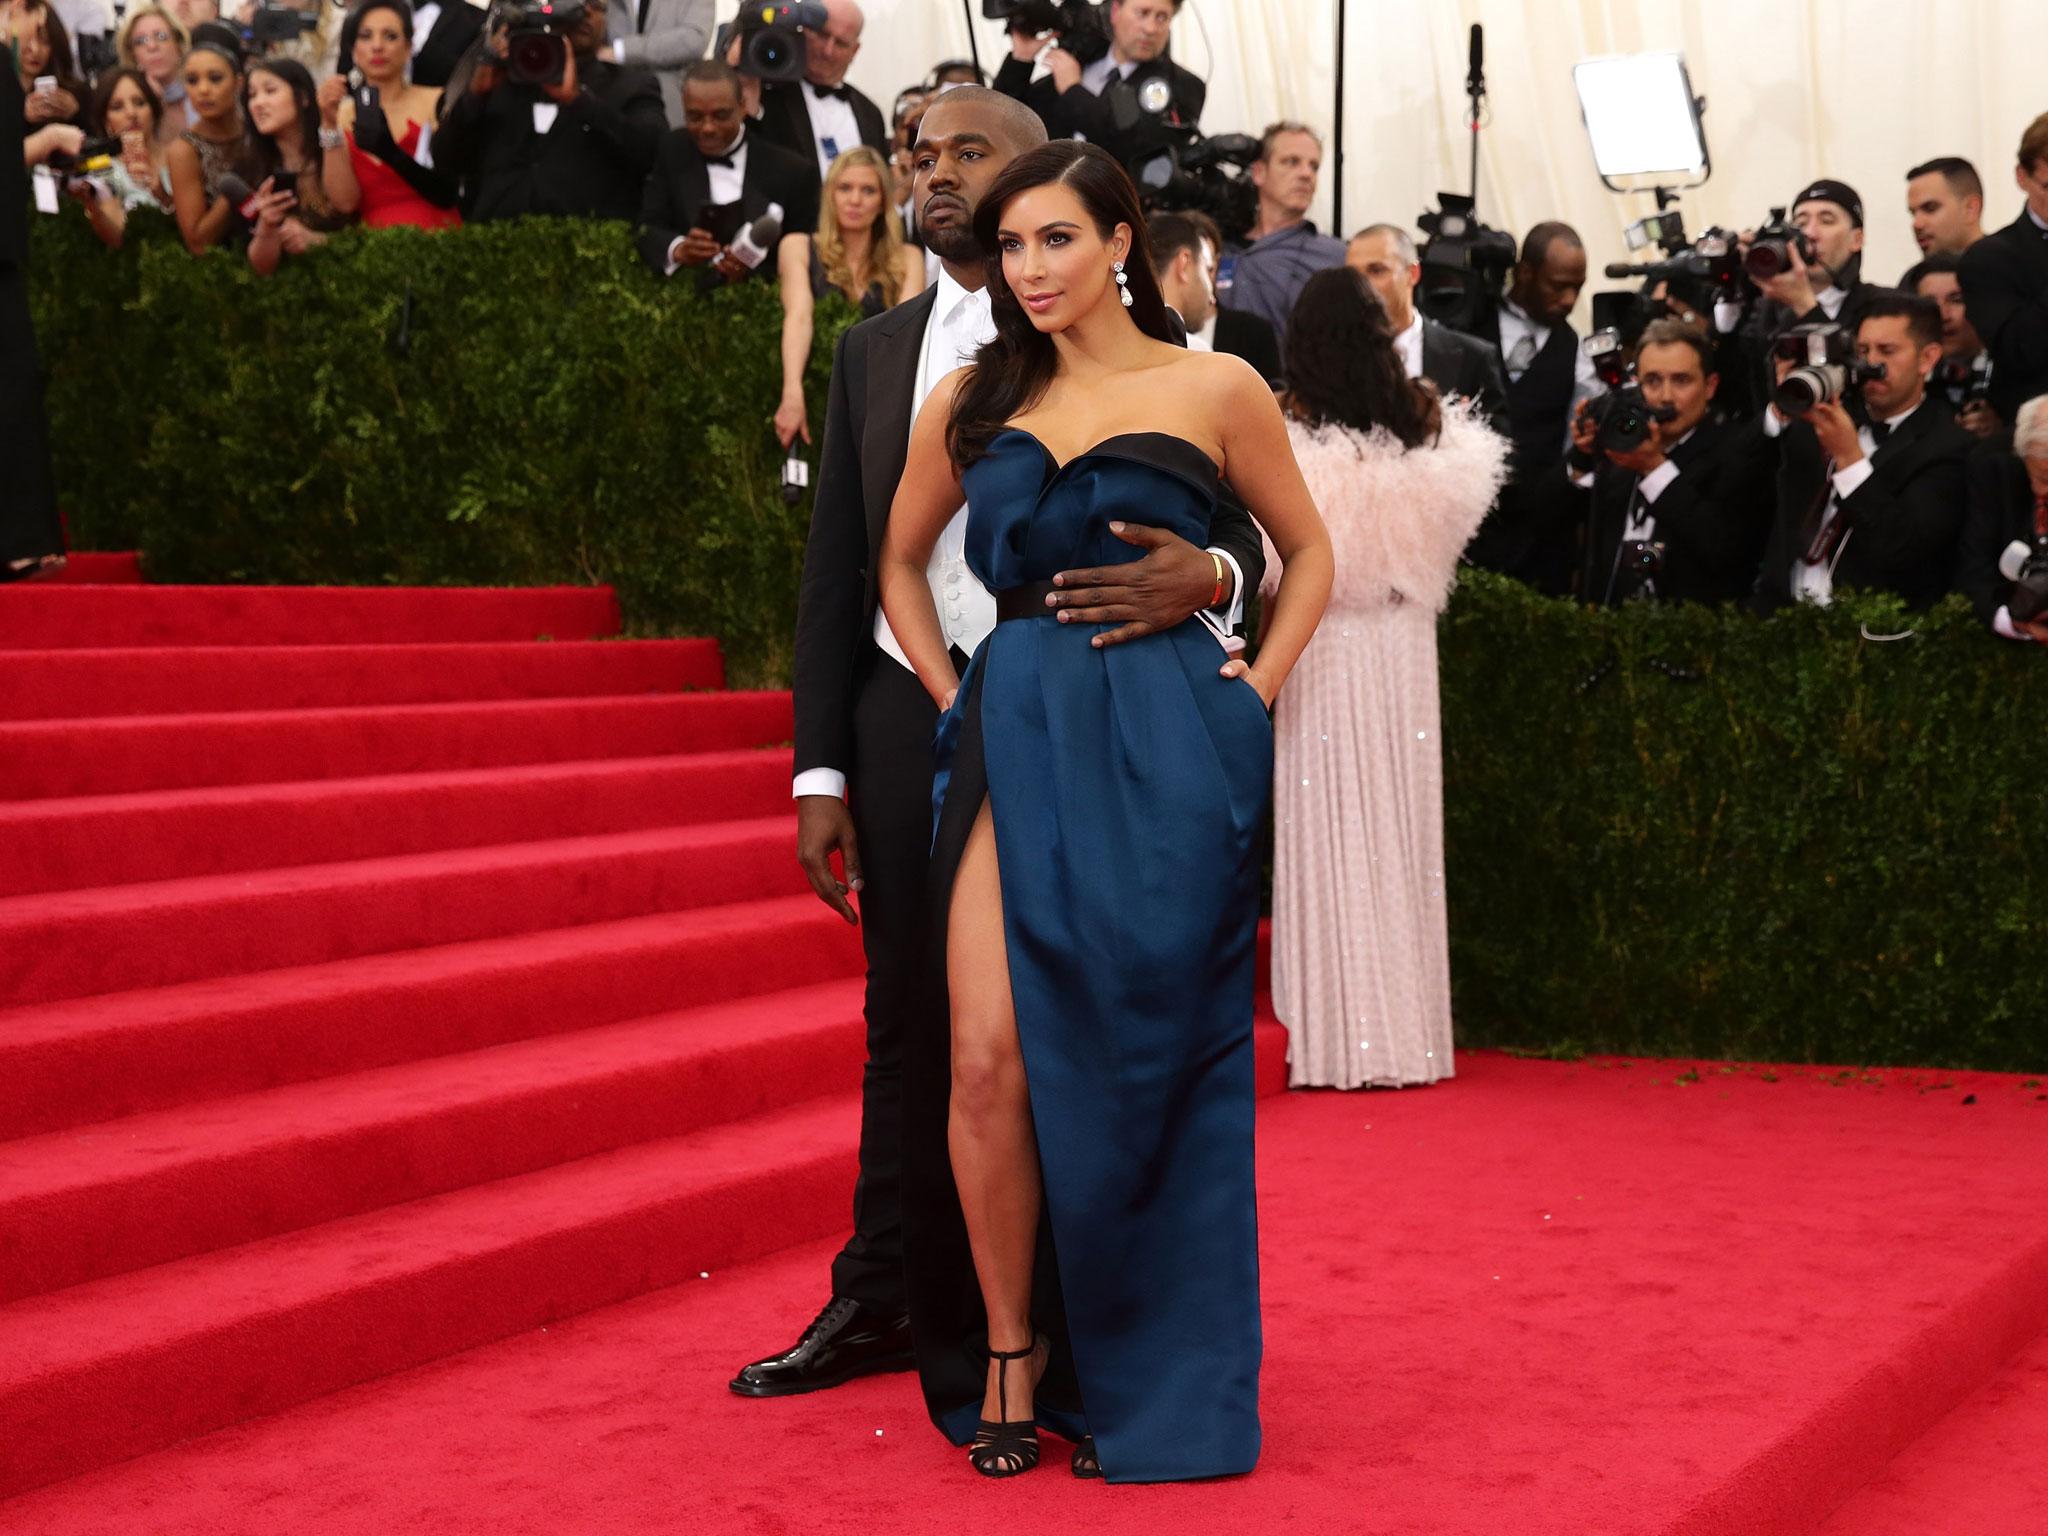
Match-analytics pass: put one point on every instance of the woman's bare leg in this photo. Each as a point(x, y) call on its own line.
point(995, 1153)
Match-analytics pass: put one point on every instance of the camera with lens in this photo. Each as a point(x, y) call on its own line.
point(1193, 173)
point(94, 159)
point(2025, 565)
point(1081, 26)
point(1828, 367)
point(771, 34)
point(271, 24)
point(1623, 415)
point(536, 38)
point(1770, 251)
point(1963, 381)
point(1465, 263)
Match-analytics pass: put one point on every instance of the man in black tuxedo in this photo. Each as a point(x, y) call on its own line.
point(1682, 516)
point(1533, 534)
point(1872, 500)
point(581, 147)
point(863, 721)
point(1462, 367)
point(2005, 284)
point(442, 32)
point(1104, 101)
point(821, 116)
point(2008, 503)
point(1185, 247)
point(712, 171)
point(31, 534)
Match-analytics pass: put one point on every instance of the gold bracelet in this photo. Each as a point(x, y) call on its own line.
point(1217, 600)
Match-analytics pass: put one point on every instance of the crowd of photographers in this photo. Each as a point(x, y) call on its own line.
point(1759, 423)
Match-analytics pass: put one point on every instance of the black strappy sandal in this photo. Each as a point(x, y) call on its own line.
point(1003, 1448)
point(1086, 1463)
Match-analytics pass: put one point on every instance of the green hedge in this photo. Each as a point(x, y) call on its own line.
point(509, 403)
point(1670, 831)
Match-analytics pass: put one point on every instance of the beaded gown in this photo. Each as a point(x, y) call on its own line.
point(1128, 788)
point(1361, 968)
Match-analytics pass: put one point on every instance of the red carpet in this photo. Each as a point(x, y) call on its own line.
point(398, 982)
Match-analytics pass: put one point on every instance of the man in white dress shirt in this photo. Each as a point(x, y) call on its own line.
point(864, 723)
point(1077, 100)
point(821, 115)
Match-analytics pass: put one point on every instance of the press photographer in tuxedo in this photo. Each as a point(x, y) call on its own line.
point(713, 172)
point(2005, 284)
point(1682, 516)
point(579, 146)
point(442, 32)
point(1184, 253)
point(1461, 367)
point(1107, 101)
point(1965, 374)
point(2008, 504)
point(1871, 497)
point(821, 114)
point(1829, 215)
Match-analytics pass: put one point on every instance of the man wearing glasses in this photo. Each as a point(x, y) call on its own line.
point(821, 115)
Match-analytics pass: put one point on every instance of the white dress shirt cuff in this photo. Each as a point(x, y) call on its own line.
point(1233, 615)
point(1658, 480)
point(1774, 424)
point(818, 781)
point(1850, 477)
point(1584, 481)
point(2002, 624)
point(1727, 317)
point(675, 258)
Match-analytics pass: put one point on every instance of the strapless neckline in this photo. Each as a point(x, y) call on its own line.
point(1104, 448)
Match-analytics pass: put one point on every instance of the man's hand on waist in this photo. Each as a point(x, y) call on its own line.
point(1173, 580)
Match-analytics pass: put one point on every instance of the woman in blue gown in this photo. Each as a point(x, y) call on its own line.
point(1080, 1218)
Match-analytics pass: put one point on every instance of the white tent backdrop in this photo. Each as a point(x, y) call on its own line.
point(1855, 89)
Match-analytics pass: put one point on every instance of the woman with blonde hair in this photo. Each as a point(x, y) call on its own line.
point(859, 248)
point(154, 41)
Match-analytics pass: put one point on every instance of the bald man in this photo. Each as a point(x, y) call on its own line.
point(821, 116)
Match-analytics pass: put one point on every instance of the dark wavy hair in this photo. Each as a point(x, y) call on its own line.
point(1342, 367)
point(103, 96)
point(299, 81)
point(1012, 372)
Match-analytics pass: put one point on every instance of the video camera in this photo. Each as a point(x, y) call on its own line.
point(1465, 263)
point(1697, 273)
point(1191, 172)
point(1623, 414)
point(1081, 25)
point(1828, 366)
point(771, 34)
point(1963, 381)
point(536, 37)
point(272, 24)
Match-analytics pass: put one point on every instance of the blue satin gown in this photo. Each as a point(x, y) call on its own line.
point(1128, 787)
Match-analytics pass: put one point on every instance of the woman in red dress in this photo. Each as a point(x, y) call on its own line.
point(392, 149)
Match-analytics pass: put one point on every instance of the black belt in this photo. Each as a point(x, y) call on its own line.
point(1024, 602)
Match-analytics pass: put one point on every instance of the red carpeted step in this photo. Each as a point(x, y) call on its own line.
point(81, 1205)
point(39, 617)
point(45, 759)
point(91, 1059)
point(120, 938)
point(220, 679)
point(89, 566)
point(55, 845)
point(124, 1365)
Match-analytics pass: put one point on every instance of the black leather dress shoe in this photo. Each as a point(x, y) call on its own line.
point(846, 1340)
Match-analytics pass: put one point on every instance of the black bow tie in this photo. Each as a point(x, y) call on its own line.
point(1879, 431)
point(842, 92)
point(724, 160)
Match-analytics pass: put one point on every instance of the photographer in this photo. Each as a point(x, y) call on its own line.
point(1283, 249)
point(821, 114)
point(1681, 516)
point(1963, 378)
point(2008, 505)
point(1945, 201)
point(1461, 367)
point(2005, 284)
point(1104, 101)
point(664, 36)
point(1828, 216)
point(711, 181)
point(578, 145)
point(1184, 253)
point(1873, 499)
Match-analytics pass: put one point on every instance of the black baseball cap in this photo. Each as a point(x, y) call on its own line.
point(1839, 193)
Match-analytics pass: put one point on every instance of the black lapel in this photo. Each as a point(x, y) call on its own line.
point(891, 381)
point(1896, 451)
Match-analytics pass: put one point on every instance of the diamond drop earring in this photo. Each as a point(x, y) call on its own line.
point(1123, 283)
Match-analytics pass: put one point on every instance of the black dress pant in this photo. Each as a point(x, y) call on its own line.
point(29, 527)
point(890, 796)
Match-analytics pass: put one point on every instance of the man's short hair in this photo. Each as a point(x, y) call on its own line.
point(1285, 125)
point(1537, 243)
point(1670, 331)
point(1404, 243)
point(1922, 316)
point(1172, 233)
point(2030, 428)
point(1961, 176)
point(1017, 124)
point(1933, 263)
point(2034, 143)
point(713, 72)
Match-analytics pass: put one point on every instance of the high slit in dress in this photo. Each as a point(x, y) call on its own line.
point(1127, 786)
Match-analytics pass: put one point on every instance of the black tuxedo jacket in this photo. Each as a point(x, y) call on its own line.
point(867, 442)
point(680, 185)
point(592, 163)
point(2000, 509)
point(1712, 520)
point(2005, 290)
point(786, 119)
point(1244, 334)
point(1466, 367)
point(14, 188)
point(1903, 520)
point(454, 30)
point(1080, 111)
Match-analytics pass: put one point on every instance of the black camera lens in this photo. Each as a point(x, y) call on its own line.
point(772, 55)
